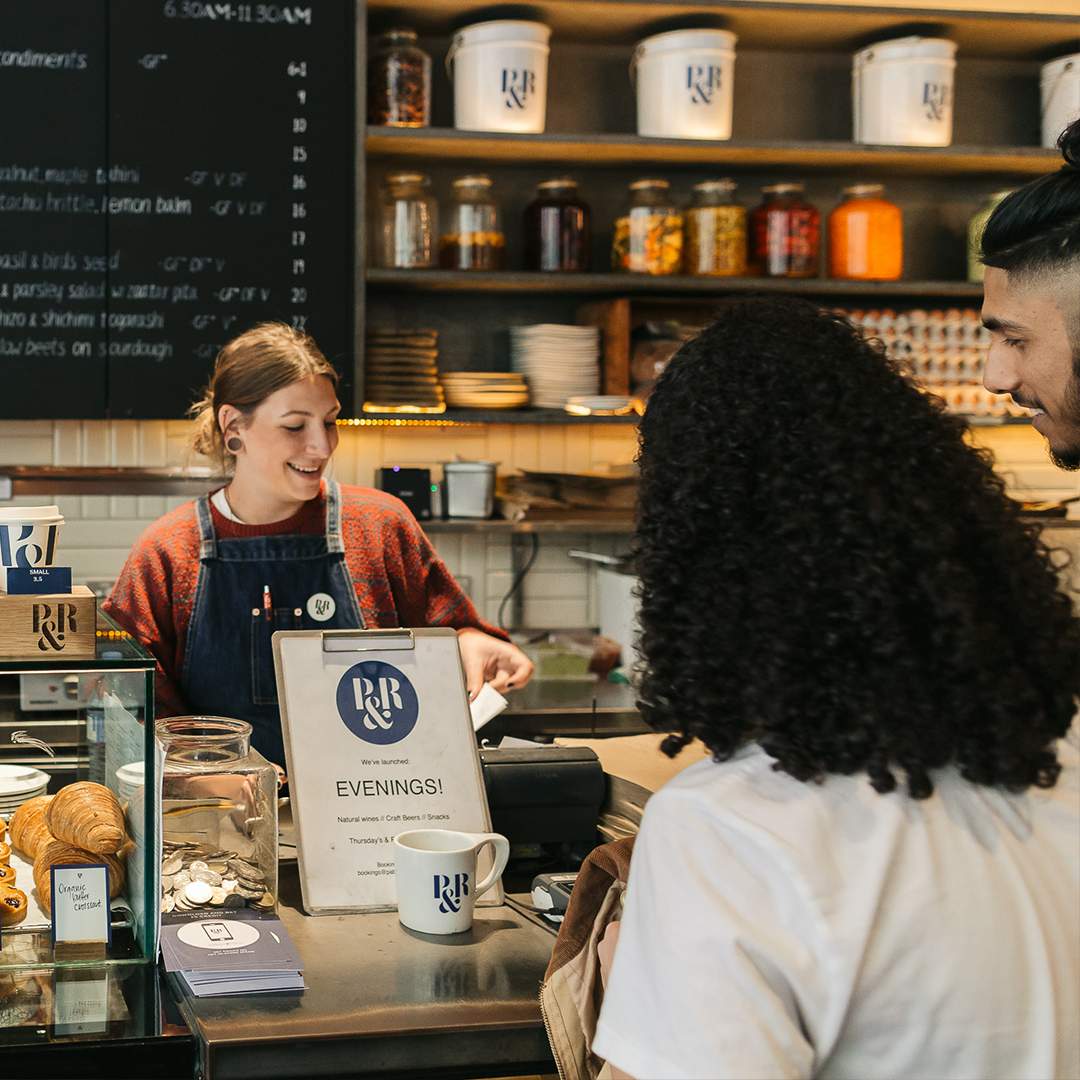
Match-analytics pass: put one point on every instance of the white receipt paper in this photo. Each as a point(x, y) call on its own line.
point(486, 706)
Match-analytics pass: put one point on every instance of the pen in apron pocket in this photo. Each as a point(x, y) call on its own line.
point(266, 601)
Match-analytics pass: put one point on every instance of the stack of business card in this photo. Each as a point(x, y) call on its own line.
point(239, 951)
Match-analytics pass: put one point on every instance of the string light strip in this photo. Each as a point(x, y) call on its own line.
point(386, 422)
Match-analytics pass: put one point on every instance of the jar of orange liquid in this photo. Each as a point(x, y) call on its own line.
point(866, 236)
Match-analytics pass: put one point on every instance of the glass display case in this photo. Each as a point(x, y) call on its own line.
point(64, 721)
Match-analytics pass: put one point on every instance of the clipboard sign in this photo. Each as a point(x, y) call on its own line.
point(378, 740)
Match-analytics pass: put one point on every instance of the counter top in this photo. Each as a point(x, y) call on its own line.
point(382, 998)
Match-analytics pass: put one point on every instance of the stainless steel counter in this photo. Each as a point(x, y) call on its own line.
point(383, 1000)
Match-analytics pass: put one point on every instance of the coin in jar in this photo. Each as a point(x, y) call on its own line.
point(172, 865)
point(168, 903)
point(217, 897)
point(207, 876)
point(233, 900)
point(198, 892)
point(181, 879)
point(249, 894)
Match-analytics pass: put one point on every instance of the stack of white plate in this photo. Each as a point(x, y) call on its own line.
point(19, 783)
point(559, 362)
point(485, 389)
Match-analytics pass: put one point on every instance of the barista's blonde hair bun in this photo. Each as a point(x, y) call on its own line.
point(247, 371)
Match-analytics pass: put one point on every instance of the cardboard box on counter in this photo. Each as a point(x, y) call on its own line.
point(48, 626)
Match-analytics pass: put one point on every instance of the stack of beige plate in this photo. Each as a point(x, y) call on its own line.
point(485, 390)
point(400, 371)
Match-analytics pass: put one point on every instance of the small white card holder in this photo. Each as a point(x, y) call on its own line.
point(378, 740)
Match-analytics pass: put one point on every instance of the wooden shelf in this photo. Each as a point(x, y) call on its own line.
point(528, 281)
point(1029, 29)
point(603, 150)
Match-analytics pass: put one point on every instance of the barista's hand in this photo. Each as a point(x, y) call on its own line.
point(489, 659)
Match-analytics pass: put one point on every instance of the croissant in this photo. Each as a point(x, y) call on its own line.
point(28, 830)
point(61, 853)
point(13, 905)
point(7, 875)
point(87, 815)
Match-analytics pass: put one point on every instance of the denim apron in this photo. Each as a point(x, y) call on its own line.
point(229, 660)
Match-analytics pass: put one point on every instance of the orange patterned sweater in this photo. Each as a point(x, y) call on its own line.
point(399, 579)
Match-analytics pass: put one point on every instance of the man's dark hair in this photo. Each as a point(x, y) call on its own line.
point(830, 571)
point(1037, 227)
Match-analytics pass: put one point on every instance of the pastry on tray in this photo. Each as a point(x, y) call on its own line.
point(87, 815)
point(13, 905)
point(7, 875)
point(27, 828)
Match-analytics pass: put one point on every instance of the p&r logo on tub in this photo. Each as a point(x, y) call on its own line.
point(321, 606)
point(377, 702)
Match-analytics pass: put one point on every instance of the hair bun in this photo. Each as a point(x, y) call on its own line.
point(1069, 144)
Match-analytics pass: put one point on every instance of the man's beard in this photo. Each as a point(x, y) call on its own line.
point(1068, 457)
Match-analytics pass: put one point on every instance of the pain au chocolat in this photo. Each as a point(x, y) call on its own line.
point(87, 815)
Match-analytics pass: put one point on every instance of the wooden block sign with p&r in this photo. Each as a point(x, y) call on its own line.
point(48, 625)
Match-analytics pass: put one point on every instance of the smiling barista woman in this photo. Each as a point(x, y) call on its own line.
point(279, 548)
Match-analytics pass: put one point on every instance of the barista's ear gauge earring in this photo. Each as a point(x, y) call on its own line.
point(234, 444)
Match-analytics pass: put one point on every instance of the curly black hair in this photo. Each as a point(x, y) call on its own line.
point(829, 570)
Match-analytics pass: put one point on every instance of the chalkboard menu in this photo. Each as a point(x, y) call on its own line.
point(171, 173)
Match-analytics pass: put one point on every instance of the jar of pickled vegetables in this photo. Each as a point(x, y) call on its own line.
point(649, 235)
point(866, 236)
point(784, 234)
point(975, 231)
point(472, 236)
point(406, 217)
point(399, 81)
point(557, 228)
point(715, 231)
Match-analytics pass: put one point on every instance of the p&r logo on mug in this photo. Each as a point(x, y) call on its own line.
point(377, 703)
point(449, 889)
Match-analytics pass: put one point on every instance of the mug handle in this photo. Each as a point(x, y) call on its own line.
point(502, 854)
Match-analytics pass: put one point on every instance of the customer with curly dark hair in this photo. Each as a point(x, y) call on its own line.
point(878, 872)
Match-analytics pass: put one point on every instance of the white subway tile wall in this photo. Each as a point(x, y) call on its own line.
point(558, 591)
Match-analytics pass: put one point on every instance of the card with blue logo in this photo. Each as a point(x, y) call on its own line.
point(379, 740)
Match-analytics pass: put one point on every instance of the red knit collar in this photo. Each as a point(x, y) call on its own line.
point(227, 529)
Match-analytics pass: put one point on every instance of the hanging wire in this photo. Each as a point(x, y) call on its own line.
point(516, 584)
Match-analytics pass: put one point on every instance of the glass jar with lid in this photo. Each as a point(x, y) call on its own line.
point(399, 81)
point(472, 237)
point(784, 234)
point(649, 234)
point(715, 231)
point(557, 228)
point(866, 236)
point(219, 816)
point(406, 220)
point(976, 226)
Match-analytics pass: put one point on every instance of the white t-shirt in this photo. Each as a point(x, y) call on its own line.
point(779, 929)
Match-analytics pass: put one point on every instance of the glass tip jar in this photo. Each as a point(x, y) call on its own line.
point(218, 817)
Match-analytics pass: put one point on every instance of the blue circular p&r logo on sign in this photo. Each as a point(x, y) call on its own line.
point(377, 702)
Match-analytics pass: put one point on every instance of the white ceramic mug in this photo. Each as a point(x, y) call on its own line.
point(435, 874)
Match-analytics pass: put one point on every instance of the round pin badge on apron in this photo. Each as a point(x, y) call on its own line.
point(321, 606)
